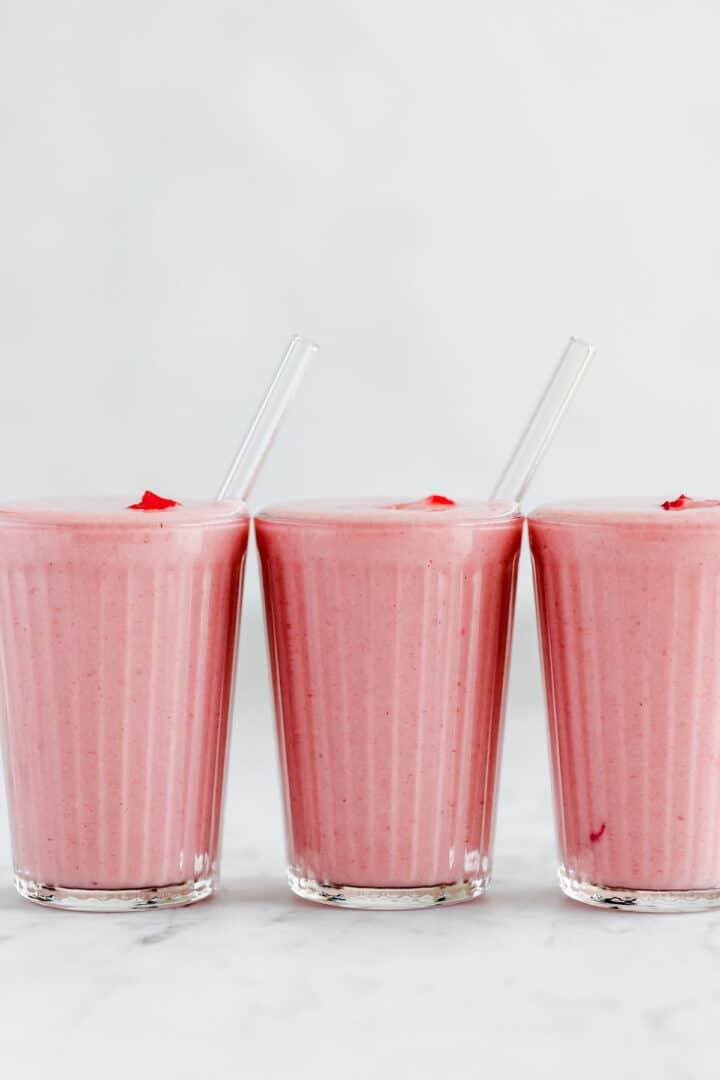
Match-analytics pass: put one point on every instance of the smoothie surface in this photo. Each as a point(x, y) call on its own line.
point(102, 511)
point(646, 510)
point(388, 511)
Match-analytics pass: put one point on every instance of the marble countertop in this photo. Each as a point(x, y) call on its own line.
point(257, 983)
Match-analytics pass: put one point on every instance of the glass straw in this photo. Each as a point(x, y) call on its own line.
point(537, 436)
point(248, 461)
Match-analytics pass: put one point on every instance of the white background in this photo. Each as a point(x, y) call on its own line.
point(439, 194)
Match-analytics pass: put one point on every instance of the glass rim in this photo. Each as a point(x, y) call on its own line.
point(108, 512)
point(624, 511)
point(364, 511)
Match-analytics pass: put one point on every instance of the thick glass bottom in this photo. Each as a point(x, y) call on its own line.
point(166, 896)
point(353, 896)
point(647, 900)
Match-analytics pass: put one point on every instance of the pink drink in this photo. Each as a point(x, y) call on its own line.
point(117, 637)
point(388, 632)
point(629, 615)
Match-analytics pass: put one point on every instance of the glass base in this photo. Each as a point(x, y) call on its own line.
point(647, 900)
point(353, 896)
point(167, 896)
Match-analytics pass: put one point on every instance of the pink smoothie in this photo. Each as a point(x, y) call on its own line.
point(629, 613)
point(117, 633)
point(388, 625)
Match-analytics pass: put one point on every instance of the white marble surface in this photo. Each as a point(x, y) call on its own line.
point(255, 983)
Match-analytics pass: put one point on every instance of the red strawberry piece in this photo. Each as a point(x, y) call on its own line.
point(151, 501)
point(677, 504)
point(431, 502)
point(684, 502)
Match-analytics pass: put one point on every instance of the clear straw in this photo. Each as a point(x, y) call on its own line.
point(244, 470)
point(537, 436)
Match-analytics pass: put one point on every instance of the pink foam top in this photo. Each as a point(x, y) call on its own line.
point(630, 510)
point(391, 510)
point(102, 511)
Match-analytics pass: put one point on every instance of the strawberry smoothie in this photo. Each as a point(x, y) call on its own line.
point(117, 638)
point(628, 595)
point(388, 625)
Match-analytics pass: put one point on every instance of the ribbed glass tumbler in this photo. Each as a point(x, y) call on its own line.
point(628, 597)
point(388, 627)
point(117, 639)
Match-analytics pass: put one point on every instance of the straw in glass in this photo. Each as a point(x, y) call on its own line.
point(517, 475)
point(248, 461)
